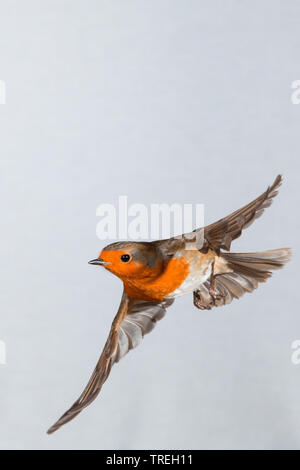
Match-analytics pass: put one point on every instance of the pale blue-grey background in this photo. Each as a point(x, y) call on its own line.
point(164, 101)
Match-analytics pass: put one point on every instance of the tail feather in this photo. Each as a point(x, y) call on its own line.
point(261, 261)
point(247, 271)
point(257, 265)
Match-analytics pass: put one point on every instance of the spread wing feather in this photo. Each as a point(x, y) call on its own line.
point(220, 234)
point(134, 319)
point(140, 320)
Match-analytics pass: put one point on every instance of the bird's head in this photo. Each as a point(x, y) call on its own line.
point(131, 259)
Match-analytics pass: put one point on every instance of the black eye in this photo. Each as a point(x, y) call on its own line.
point(125, 258)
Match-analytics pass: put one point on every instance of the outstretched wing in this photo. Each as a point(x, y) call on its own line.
point(134, 319)
point(220, 234)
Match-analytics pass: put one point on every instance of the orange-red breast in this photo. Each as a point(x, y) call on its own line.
point(154, 273)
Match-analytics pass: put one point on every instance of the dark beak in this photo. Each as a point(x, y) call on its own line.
point(98, 261)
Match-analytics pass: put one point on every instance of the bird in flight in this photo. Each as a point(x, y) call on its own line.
point(155, 273)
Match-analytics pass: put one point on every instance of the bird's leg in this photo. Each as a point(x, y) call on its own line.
point(215, 295)
point(212, 280)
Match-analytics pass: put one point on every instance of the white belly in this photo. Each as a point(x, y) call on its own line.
point(197, 276)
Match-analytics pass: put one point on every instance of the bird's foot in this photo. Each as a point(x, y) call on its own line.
point(200, 303)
